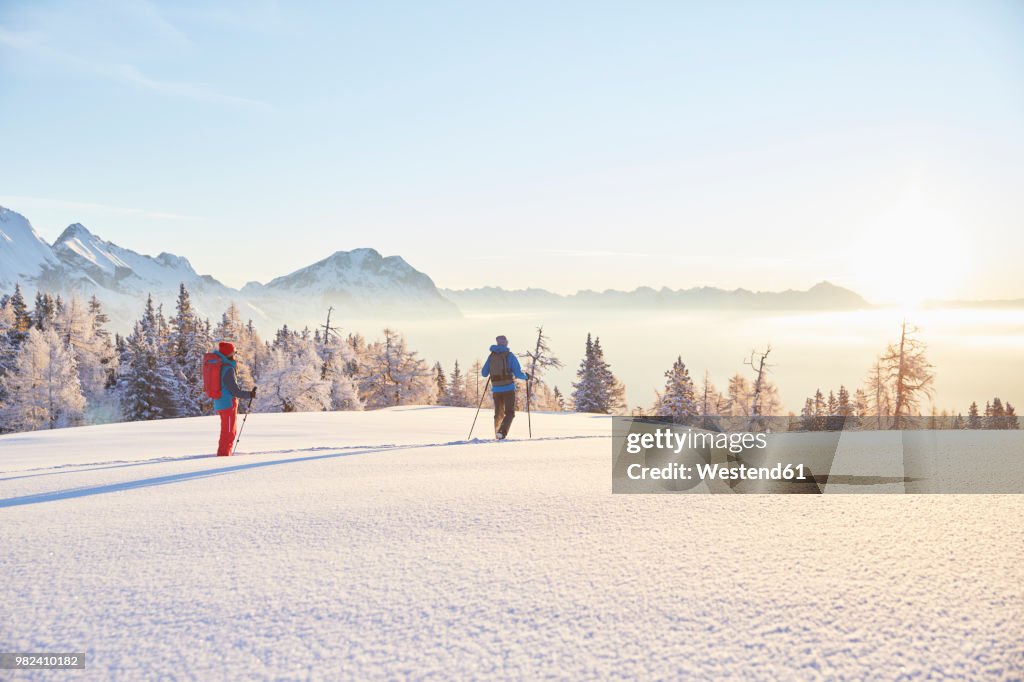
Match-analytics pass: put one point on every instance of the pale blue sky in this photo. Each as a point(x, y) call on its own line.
point(563, 145)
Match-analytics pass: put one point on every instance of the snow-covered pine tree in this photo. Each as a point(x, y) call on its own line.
point(45, 314)
point(995, 415)
point(187, 344)
point(22, 318)
point(8, 350)
point(973, 417)
point(100, 333)
point(614, 390)
point(807, 416)
point(43, 391)
point(678, 401)
point(558, 400)
point(586, 394)
point(455, 394)
point(1011, 417)
point(440, 384)
point(147, 384)
point(596, 388)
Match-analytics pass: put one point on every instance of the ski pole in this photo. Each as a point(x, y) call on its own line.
point(470, 436)
point(529, 422)
point(240, 428)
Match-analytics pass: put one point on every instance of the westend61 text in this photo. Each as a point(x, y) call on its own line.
point(667, 439)
point(708, 472)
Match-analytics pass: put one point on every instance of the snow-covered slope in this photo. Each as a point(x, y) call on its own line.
point(382, 545)
point(358, 281)
point(24, 255)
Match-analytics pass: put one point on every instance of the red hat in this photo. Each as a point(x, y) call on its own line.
point(226, 348)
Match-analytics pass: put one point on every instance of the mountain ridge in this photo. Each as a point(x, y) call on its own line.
point(359, 282)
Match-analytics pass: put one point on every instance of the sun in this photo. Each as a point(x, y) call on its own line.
point(909, 254)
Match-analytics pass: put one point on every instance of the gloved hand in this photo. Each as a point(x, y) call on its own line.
point(528, 377)
point(254, 392)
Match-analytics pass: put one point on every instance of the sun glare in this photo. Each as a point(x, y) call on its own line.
point(910, 254)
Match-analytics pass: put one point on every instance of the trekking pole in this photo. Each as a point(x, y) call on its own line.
point(470, 436)
point(240, 428)
point(529, 422)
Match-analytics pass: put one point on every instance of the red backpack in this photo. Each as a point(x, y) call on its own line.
point(212, 364)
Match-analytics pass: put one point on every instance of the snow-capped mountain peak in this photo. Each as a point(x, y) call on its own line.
point(360, 279)
point(80, 245)
point(23, 253)
point(107, 263)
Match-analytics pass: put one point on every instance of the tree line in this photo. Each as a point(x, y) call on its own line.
point(60, 366)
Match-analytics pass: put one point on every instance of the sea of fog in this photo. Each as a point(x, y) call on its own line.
point(977, 353)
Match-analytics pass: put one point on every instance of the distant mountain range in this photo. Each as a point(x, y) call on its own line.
point(822, 296)
point(360, 284)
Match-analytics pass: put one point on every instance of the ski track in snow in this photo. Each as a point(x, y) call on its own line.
point(429, 557)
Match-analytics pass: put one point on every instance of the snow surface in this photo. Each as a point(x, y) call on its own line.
point(382, 545)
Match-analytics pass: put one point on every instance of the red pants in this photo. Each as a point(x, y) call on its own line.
point(228, 430)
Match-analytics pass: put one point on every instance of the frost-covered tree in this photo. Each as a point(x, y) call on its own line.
point(539, 360)
point(440, 383)
point(147, 383)
point(43, 391)
point(394, 374)
point(587, 390)
point(738, 397)
point(45, 314)
point(455, 389)
point(879, 395)
point(973, 417)
point(232, 328)
point(678, 400)
point(995, 414)
point(338, 367)
point(1011, 417)
point(188, 342)
point(596, 389)
point(81, 328)
point(712, 402)
point(475, 385)
point(559, 400)
point(8, 350)
point(22, 318)
point(292, 377)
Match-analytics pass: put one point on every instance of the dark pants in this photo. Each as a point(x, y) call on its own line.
point(504, 411)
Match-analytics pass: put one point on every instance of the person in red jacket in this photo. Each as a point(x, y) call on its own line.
point(227, 404)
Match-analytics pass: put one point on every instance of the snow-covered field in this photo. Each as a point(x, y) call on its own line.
point(381, 545)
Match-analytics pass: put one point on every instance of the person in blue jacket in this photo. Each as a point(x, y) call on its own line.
point(503, 368)
point(227, 404)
